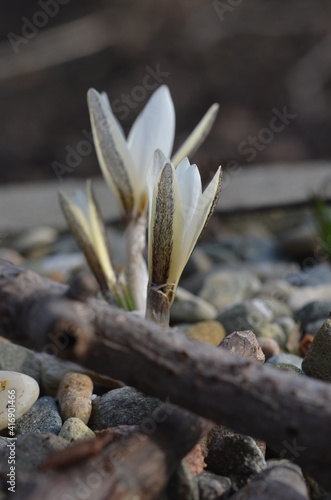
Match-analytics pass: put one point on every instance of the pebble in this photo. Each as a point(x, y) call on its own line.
point(269, 346)
point(281, 480)
point(287, 324)
point(317, 362)
point(285, 367)
point(75, 392)
point(243, 344)
point(275, 332)
point(237, 457)
point(53, 370)
point(225, 288)
point(316, 311)
point(213, 487)
point(17, 391)
point(287, 359)
point(125, 406)
point(249, 315)
point(211, 332)
point(19, 359)
point(74, 430)
point(42, 417)
point(190, 308)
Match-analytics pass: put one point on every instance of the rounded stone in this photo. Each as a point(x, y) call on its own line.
point(269, 346)
point(42, 417)
point(18, 392)
point(287, 359)
point(237, 457)
point(75, 393)
point(74, 430)
point(125, 406)
point(275, 332)
point(225, 288)
point(211, 332)
point(188, 308)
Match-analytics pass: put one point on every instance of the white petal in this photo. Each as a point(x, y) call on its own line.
point(203, 210)
point(113, 155)
point(196, 138)
point(189, 181)
point(153, 129)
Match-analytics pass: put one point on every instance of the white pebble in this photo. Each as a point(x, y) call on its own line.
point(18, 392)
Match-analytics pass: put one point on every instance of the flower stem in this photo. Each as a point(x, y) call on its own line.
point(157, 306)
point(136, 266)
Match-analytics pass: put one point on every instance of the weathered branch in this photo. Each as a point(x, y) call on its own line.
point(137, 466)
point(291, 413)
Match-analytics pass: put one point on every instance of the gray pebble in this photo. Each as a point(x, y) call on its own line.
point(42, 417)
point(190, 308)
point(125, 406)
point(237, 457)
point(317, 310)
point(285, 367)
point(225, 288)
point(249, 315)
point(288, 359)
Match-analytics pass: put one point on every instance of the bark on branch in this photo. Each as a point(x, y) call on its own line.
point(291, 413)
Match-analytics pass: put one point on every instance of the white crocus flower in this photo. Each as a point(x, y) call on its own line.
point(125, 162)
point(178, 212)
point(84, 220)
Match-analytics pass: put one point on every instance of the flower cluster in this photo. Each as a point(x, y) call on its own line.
point(141, 174)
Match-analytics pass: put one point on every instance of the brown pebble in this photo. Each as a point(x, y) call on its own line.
point(75, 392)
point(195, 460)
point(305, 344)
point(244, 344)
point(269, 346)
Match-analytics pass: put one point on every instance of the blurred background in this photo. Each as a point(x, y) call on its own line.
point(251, 56)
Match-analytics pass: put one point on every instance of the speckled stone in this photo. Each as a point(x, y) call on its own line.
point(42, 417)
point(125, 406)
point(285, 367)
point(244, 344)
point(211, 332)
point(75, 392)
point(317, 362)
point(285, 358)
point(74, 430)
point(237, 457)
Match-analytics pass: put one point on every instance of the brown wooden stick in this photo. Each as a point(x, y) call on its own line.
point(291, 413)
point(137, 466)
